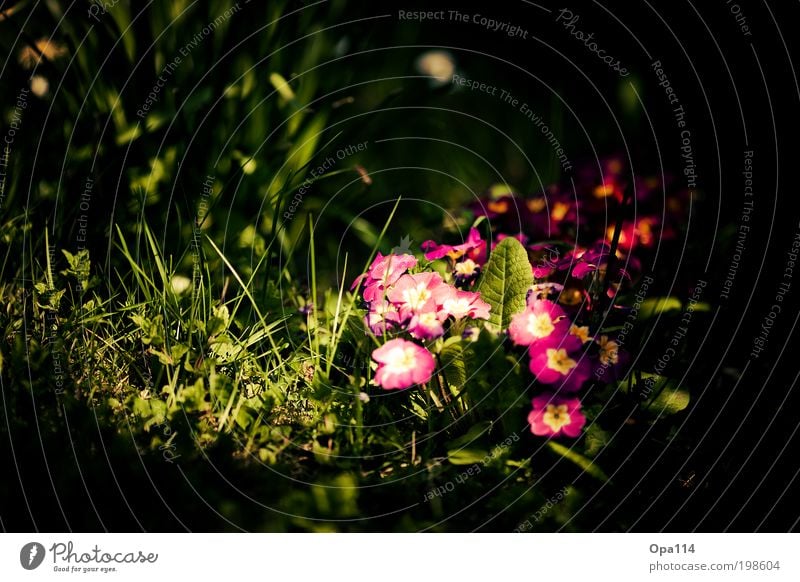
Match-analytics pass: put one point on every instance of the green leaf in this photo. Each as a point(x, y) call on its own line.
point(466, 456)
point(218, 322)
point(596, 438)
point(475, 432)
point(670, 401)
point(192, 396)
point(454, 358)
point(129, 134)
point(152, 330)
point(465, 450)
point(281, 86)
point(658, 305)
point(587, 465)
point(657, 395)
point(663, 398)
point(505, 281)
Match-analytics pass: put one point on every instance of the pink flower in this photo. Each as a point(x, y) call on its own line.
point(542, 322)
point(384, 272)
point(554, 416)
point(414, 293)
point(401, 364)
point(428, 325)
point(461, 304)
point(553, 365)
point(382, 315)
point(474, 248)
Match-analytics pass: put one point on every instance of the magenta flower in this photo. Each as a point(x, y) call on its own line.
point(555, 365)
point(384, 272)
point(542, 323)
point(401, 364)
point(585, 262)
point(555, 416)
point(414, 293)
point(460, 304)
point(589, 260)
point(473, 248)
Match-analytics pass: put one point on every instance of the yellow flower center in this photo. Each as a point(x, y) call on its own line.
point(536, 204)
point(623, 238)
point(560, 361)
point(428, 319)
point(457, 307)
point(560, 210)
point(603, 191)
point(498, 206)
point(580, 332)
point(540, 325)
point(401, 360)
point(416, 297)
point(556, 416)
point(466, 268)
point(609, 351)
point(645, 231)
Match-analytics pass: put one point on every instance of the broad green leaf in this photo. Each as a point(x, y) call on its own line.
point(586, 464)
point(505, 282)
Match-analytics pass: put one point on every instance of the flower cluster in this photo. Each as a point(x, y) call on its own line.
point(563, 356)
point(421, 305)
point(591, 254)
point(591, 251)
point(579, 219)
